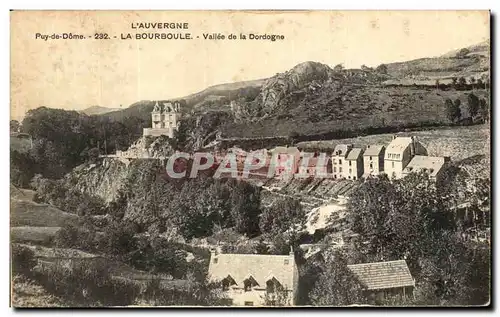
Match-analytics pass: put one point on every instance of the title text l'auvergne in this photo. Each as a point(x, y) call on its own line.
point(160, 25)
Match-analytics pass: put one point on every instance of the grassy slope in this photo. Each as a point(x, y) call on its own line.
point(29, 213)
point(355, 107)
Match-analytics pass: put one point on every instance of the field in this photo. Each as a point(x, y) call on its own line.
point(33, 234)
point(458, 143)
point(29, 213)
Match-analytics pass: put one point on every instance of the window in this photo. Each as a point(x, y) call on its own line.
point(335, 169)
point(371, 165)
point(335, 176)
point(248, 286)
point(350, 163)
point(392, 164)
point(249, 283)
point(370, 158)
point(340, 161)
point(286, 261)
point(350, 171)
point(354, 177)
point(215, 260)
point(248, 303)
point(273, 285)
point(340, 169)
point(334, 161)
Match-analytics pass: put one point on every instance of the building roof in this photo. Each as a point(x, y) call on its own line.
point(342, 149)
point(261, 267)
point(285, 149)
point(399, 144)
point(383, 275)
point(430, 164)
point(354, 154)
point(374, 150)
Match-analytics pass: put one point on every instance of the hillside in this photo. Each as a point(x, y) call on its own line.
point(469, 61)
point(97, 110)
point(322, 100)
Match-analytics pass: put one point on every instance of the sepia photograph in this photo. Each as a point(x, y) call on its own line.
point(243, 159)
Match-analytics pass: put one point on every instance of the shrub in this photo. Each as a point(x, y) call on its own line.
point(23, 260)
point(87, 282)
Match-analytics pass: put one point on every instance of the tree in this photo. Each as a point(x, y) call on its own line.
point(462, 82)
point(14, 126)
point(480, 83)
point(282, 216)
point(483, 108)
point(245, 208)
point(382, 68)
point(472, 81)
point(338, 68)
point(462, 53)
point(472, 104)
point(453, 110)
point(336, 285)
point(454, 82)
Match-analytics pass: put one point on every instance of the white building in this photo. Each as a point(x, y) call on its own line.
point(399, 153)
point(338, 158)
point(165, 119)
point(251, 279)
point(373, 160)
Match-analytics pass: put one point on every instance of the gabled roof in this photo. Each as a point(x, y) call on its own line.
point(399, 144)
point(429, 164)
point(342, 149)
point(383, 275)
point(374, 150)
point(354, 154)
point(259, 266)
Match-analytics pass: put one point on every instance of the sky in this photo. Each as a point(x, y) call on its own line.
point(76, 74)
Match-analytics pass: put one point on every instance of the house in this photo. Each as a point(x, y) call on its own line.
point(353, 164)
point(433, 166)
point(284, 161)
point(338, 156)
point(255, 279)
point(373, 160)
point(399, 153)
point(313, 164)
point(384, 279)
point(165, 119)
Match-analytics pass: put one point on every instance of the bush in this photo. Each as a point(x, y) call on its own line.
point(87, 282)
point(23, 260)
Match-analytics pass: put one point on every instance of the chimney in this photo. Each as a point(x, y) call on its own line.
point(412, 146)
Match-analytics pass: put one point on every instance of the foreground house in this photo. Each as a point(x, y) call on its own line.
point(256, 279)
point(381, 280)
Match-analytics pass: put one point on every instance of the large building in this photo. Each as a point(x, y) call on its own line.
point(165, 119)
point(353, 164)
point(256, 279)
point(399, 153)
point(338, 157)
point(373, 160)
